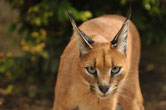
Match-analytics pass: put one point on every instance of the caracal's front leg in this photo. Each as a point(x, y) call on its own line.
point(131, 96)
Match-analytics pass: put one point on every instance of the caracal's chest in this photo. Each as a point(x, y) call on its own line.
point(91, 102)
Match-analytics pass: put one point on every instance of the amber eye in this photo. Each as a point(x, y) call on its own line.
point(115, 70)
point(91, 70)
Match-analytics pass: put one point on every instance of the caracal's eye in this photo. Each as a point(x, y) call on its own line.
point(115, 70)
point(91, 70)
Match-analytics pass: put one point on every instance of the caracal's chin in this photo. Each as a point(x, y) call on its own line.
point(105, 96)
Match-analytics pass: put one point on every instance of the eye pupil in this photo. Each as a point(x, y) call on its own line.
point(92, 71)
point(115, 70)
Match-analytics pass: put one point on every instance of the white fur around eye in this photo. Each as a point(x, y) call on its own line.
point(88, 73)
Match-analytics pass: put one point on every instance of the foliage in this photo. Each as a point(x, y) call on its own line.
point(44, 31)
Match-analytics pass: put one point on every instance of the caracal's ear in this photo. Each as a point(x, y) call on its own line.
point(84, 42)
point(120, 40)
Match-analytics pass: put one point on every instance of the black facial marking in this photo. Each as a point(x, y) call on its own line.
point(95, 63)
point(103, 58)
point(112, 63)
point(97, 81)
point(92, 88)
point(76, 108)
point(98, 101)
point(95, 75)
point(116, 85)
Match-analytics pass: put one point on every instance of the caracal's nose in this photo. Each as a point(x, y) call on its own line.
point(103, 89)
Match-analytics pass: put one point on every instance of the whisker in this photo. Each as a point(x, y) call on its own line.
point(127, 85)
point(125, 82)
point(133, 69)
point(125, 97)
point(86, 93)
point(129, 79)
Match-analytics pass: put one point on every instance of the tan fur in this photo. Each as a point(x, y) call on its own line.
point(72, 86)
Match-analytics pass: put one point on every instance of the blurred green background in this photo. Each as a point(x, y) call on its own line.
point(42, 31)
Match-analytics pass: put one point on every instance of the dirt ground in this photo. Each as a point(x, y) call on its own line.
point(152, 78)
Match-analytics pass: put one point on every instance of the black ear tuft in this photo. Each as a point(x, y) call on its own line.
point(84, 42)
point(120, 40)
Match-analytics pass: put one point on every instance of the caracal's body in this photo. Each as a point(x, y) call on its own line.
point(72, 90)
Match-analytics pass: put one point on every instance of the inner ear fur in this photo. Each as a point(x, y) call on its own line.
point(120, 40)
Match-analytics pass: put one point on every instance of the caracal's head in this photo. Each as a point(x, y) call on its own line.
point(102, 64)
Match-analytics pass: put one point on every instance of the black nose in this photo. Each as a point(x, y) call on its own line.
point(103, 89)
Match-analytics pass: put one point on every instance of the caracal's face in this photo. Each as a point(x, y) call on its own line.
point(102, 64)
point(103, 69)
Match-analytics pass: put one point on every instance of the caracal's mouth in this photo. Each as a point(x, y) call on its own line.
point(104, 96)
